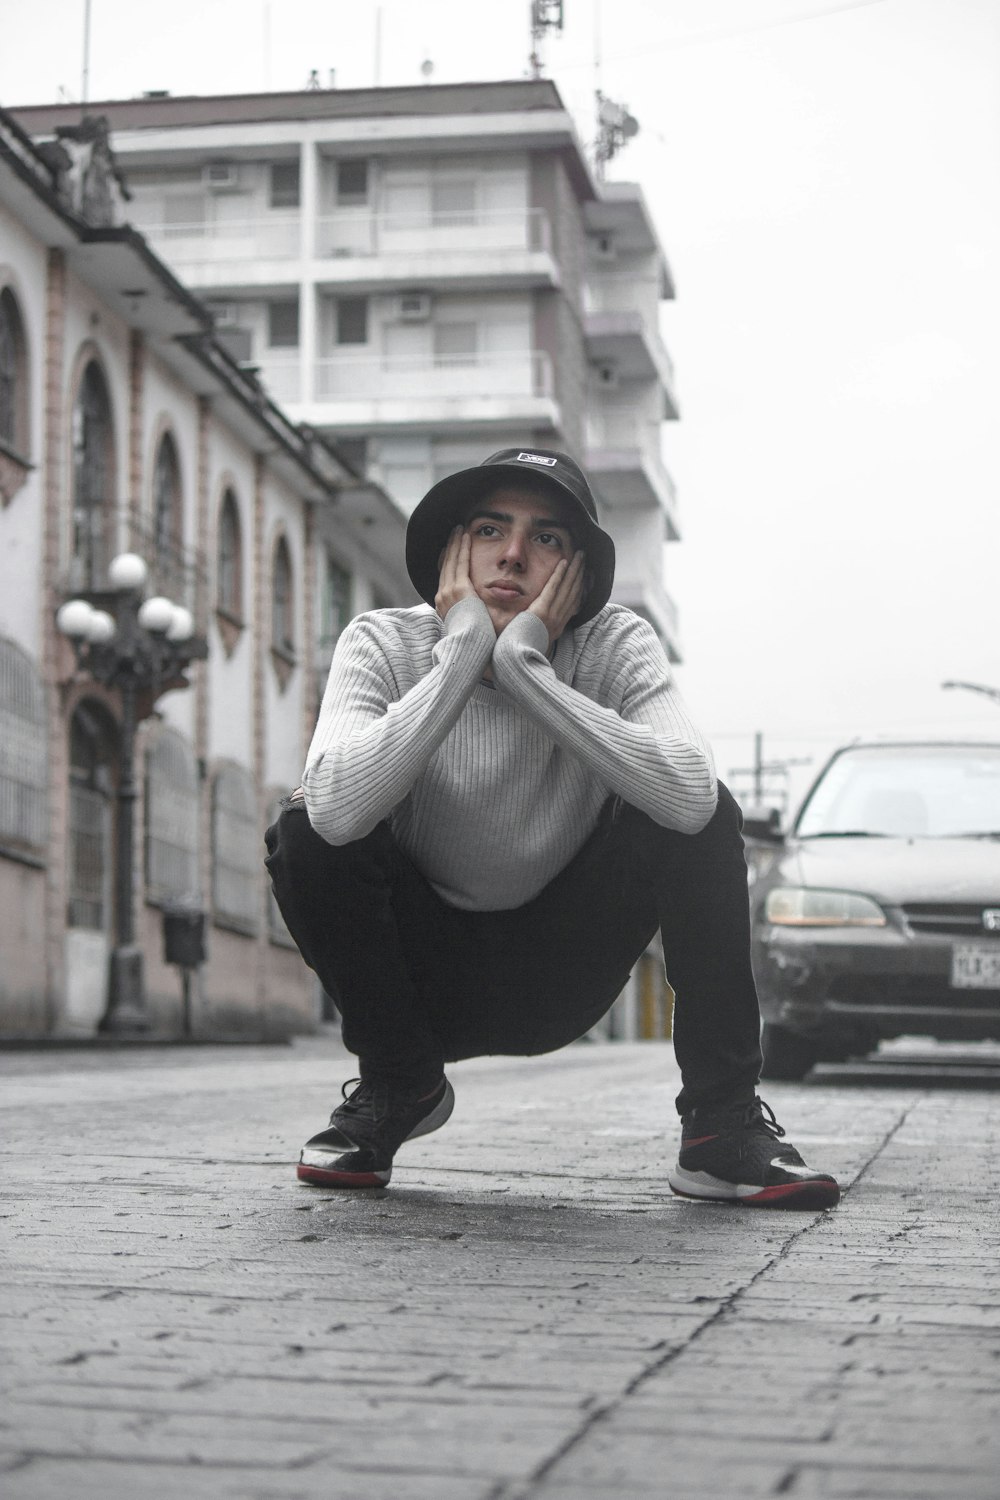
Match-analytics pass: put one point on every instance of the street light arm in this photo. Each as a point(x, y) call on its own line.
point(975, 687)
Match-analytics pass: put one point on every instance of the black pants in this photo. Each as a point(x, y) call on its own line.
point(420, 983)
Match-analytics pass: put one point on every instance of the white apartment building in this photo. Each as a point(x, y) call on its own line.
point(424, 275)
point(126, 427)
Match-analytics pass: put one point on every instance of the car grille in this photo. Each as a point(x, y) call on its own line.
point(956, 919)
point(915, 991)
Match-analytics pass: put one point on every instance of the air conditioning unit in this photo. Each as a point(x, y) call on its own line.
point(221, 176)
point(605, 247)
point(413, 307)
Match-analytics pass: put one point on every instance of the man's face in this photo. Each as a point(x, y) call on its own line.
point(518, 537)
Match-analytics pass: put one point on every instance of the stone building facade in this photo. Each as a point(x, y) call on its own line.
point(127, 426)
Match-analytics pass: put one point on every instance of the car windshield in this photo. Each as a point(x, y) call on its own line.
point(906, 791)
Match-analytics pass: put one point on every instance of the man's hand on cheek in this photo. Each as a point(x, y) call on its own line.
point(561, 597)
point(454, 582)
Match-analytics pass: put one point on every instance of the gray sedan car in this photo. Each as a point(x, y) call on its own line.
point(878, 913)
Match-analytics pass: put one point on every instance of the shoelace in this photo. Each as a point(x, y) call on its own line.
point(361, 1092)
point(757, 1112)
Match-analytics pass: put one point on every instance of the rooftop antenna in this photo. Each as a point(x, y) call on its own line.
point(546, 15)
point(85, 86)
point(615, 127)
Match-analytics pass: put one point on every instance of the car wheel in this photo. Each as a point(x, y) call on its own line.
point(787, 1054)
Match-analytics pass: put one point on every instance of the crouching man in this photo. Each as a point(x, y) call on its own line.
point(503, 800)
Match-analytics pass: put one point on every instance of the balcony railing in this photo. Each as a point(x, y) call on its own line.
point(364, 235)
point(449, 234)
point(443, 377)
point(616, 293)
point(206, 241)
point(101, 531)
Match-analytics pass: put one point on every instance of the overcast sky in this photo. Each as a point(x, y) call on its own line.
point(826, 180)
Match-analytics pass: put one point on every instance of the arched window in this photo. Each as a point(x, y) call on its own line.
point(236, 843)
point(171, 819)
point(168, 524)
point(282, 623)
point(336, 606)
point(13, 376)
point(93, 480)
point(229, 598)
point(23, 774)
point(282, 612)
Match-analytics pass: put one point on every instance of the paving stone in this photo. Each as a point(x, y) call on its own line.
point(179, 1317)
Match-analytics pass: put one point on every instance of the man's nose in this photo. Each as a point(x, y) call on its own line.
point(514, 551)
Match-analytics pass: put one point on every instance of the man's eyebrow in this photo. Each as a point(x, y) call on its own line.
point(548, 522)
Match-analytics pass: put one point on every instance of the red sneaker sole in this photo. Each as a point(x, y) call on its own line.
point(319, 1177)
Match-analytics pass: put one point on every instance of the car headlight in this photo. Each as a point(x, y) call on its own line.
point(799, 906)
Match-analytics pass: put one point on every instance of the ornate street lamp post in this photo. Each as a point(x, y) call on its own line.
point(141, 649)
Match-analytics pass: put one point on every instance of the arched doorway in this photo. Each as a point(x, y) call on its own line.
point(93, 760)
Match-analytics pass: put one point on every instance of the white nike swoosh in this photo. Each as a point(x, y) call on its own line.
point(787, 1166)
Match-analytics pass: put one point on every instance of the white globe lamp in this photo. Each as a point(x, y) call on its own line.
point(73, 619)
point(127, 572)
point(156, 615)
point(181, 627)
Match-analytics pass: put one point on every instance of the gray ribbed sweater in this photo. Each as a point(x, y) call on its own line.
point(491, 790)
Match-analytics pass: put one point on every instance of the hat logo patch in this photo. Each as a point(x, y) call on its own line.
point(536, 458)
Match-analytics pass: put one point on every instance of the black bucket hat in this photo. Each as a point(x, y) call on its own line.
point(448, 501)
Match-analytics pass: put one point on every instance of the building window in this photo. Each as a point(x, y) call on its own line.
point(171, 819)
point(167, 518)
point(13, 375)
point(352, 183)
point(352, 320)
point(93, 481)
point(23, 770)
point(184, 216)
point(336, 610)
point(229, 598)
point(284, 184)
point(453, 200)
point(283, 324)
point(455, 344)
point(235, 850)
point(92, 754)
point(282, 613)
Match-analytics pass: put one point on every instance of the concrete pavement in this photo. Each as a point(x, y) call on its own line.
point(526, 1313)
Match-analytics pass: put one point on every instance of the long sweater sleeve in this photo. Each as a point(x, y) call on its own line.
point(377, 731)
point(622, 717)
point(491, 789)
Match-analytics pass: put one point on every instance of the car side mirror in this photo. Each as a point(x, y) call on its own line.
point(763, 824)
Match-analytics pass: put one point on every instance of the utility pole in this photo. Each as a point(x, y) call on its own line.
point(763, 773)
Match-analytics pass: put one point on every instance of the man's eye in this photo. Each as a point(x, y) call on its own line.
point(487, 529)
point(549, 539)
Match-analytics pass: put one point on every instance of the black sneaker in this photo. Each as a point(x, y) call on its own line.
point(731, 1153)
point(366, 1131)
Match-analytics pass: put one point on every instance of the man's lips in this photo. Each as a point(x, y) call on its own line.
point(504, 588)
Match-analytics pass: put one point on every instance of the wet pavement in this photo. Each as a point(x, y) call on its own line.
point(526, 1312)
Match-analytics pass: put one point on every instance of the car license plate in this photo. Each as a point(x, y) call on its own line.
point(975, 968)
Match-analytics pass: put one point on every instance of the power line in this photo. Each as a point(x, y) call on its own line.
point(708, 38)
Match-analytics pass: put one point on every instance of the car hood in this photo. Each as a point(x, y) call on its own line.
point(896, 871)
